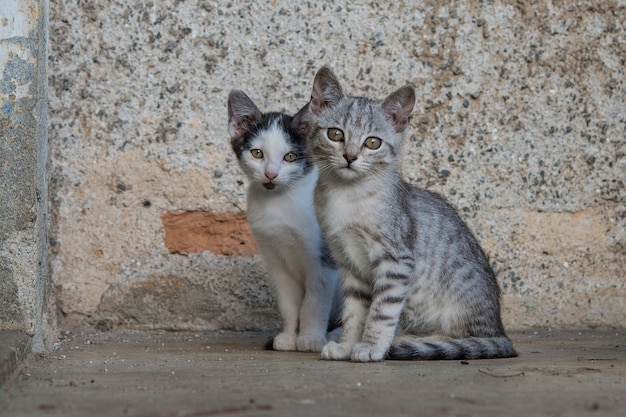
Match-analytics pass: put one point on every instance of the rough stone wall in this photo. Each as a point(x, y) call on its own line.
point(26, 302)
point(520, 122)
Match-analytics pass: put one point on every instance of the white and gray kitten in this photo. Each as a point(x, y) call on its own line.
point(417, 284)
point(271, 151)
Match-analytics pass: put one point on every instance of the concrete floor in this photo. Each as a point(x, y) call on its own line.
point(229, 374)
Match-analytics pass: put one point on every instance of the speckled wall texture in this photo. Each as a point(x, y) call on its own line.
point(520, 122)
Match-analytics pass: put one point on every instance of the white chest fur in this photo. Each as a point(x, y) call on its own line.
point(286, 217)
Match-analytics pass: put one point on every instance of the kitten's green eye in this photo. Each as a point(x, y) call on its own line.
point(290, 157)
point(256, 153)
point(335, 134)
point(373, 143)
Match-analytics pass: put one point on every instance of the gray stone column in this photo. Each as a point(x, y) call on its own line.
point(26, 302)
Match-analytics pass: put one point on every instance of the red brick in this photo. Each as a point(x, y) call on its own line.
point(199, 231)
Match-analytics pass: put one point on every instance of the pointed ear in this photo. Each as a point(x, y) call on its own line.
point(302, 121)
point(399, 105)
point(242, 113)
point(327, 91)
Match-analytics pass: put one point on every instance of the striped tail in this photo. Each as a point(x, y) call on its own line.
point(444, 348)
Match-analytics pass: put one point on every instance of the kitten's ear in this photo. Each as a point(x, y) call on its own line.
point(327, 91)
point(399, 105)
point(302, 121)
point(242, 114)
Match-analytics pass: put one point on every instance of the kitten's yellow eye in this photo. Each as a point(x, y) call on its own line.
point(373, 143)
point(256, 153)
point(290, 157)
point(335, 134)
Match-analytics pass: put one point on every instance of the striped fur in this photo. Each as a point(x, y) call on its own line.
point(417, 284)
point(280, 213)
point(453, 349)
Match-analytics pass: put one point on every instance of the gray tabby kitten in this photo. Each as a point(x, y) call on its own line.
point(417, 285)
point(271, 151)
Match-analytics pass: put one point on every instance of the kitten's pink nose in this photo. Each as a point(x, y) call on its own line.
point(350, 158)
point(270, 175)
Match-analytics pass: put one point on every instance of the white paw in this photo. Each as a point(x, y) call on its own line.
point(335, 335)
point(285, 341)
point(337, 351)
point(363, 352)
point(310, 343)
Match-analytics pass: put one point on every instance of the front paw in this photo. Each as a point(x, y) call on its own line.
point(310, 343)
point(337, 351)
point(363, 352)
point(285, 341)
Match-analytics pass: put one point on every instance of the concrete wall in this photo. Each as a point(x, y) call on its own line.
point(520, 122)
point(26, 302)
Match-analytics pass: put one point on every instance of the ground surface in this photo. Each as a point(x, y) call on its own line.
point(229, 374)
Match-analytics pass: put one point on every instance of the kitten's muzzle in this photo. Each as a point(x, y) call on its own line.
point(350, 158)
point(271, 175)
